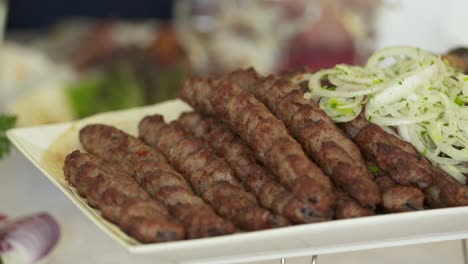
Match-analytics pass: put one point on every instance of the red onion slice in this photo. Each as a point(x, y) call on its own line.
point(28, 239)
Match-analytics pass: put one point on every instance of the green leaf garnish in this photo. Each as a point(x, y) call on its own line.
point(459, 101)
point(373, 169)
point(117, 89)
point(331, 88)
point(6, 122)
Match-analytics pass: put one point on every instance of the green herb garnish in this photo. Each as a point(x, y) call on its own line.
point(124, 84)
point(373, 169)
point(459, 101)
point(6, 122)
point(330, 88)
point(117, 89)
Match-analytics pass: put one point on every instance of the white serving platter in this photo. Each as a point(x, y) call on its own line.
point(302, 240)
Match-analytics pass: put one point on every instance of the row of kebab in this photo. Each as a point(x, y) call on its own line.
point(253, 155)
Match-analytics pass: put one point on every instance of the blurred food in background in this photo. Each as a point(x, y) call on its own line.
point(82, 66)
point(32, 85)
point(459, 58)
point(111, 65)
point(222, 35)
point(117, 74)
point(275, 35)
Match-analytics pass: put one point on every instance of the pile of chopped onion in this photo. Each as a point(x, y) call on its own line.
point(412, 90)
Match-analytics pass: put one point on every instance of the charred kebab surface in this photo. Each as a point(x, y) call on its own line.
point(210, 176)
point(151, 170)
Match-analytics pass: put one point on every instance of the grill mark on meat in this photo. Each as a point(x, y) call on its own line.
point(212, 178)
point(151, 170)
point(253, 176)
point(333, 152)
point(249, 117)
point(121, 200)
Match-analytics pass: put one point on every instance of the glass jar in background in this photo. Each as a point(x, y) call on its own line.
point(3, 19)
point(223, 35)
point(343, 33)
point(3, 16)
point(273, 35)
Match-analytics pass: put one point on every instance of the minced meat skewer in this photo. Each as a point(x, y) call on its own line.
point(91, 171)
point(150, 169)
point(326, 144)
point(140, 218)
point(267, 136)
point(406, 168)
point(405, 164)
point(395, 156)
point(198, 216)
point(121, 200)
point(396, 198)
point(347, 207)
point(253, 176)
point(210, 176)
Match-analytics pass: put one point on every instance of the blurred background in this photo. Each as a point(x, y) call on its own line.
point(63, 60)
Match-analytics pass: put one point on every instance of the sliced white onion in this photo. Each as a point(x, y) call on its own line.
point(391, 121)
point(409, 89)
point(400, 88)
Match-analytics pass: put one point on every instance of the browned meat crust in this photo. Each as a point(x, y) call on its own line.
point(406, 165)
point(267, 136)
point(335, 154)
point(121, 200)
point(151, 170)
point(253, 176)
point(210, 176)
point(395, 197)
point(347, 207)
point(406, 168)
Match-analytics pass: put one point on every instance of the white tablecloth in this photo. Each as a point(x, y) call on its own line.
point(24, 190)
